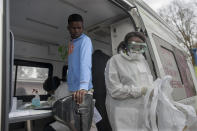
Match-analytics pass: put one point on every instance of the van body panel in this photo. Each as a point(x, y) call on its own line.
point(191, 67)
point(6, 65)
point(194, 102)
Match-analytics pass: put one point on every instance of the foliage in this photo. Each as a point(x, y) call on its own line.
point(183, 18)
point(25, 72)
point(63, 51)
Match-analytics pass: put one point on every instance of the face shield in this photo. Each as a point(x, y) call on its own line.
point(137, 47)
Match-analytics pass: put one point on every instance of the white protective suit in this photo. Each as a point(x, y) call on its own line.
point(125, 77)
point(163, 113)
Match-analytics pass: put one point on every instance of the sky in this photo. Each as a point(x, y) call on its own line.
point(157, 4)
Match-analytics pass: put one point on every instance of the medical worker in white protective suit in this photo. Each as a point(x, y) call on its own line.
point(127, 78)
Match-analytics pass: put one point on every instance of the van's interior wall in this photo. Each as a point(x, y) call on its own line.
point(40, 46)
point(118, 31)
point(39, 53)
point(101, 38)
point(105, 48)
point(32, 51)
point(35, 50)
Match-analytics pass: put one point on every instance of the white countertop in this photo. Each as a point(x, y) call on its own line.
point(24, 115)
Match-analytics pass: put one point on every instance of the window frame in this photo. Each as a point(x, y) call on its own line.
point(169, 47)
point(19, 62)
point(172, 51)
point(175, 52)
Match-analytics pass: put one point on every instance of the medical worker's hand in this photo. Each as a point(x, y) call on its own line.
point(144, 90)
point(78, 95)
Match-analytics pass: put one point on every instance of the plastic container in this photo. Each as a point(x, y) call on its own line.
point(14, 104)
point(36, 100)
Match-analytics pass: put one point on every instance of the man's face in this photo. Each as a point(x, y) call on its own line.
point(76, 29)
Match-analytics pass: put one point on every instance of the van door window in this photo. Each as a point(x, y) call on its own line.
point(185, 73)
point(170, 66)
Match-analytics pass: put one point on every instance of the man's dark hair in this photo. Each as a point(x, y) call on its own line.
point(75, 17)
point(51, 83)
point(64, 72)
point(121, 46)
point(134, 34)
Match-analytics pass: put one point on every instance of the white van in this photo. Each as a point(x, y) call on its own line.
point(32, 30)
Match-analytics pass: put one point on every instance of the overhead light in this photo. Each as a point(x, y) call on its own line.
point(73, 5)
point(41, 23)
point(31, 40)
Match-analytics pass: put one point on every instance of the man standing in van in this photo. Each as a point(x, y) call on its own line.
point(79, 59)
point(79, 64)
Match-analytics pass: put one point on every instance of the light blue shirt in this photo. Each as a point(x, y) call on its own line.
point(80, 64)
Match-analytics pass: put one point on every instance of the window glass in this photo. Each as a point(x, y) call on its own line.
point(171, 67)
point(185, 73)
point(29, 78)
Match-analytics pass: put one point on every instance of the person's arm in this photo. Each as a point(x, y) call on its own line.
point(115, 88)
point(85, 64)
point(85, 69)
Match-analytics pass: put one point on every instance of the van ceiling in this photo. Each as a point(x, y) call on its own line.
point(47, 19)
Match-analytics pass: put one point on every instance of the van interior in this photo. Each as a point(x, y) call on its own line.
point(39, 28)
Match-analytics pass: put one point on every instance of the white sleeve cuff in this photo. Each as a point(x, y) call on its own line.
point(136, 91)
point(84, 86)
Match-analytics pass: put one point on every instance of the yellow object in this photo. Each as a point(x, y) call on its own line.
point(184, 129)
point(195, 67)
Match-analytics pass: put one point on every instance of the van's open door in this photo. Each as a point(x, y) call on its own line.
point(163, 47)
point(171, 59)
point(129, 6)
point(5, 65)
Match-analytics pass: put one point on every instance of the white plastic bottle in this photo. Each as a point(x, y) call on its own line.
point(36, 99)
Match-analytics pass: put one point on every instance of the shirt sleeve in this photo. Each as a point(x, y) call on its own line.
point(85, 63)
point(115, 88)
